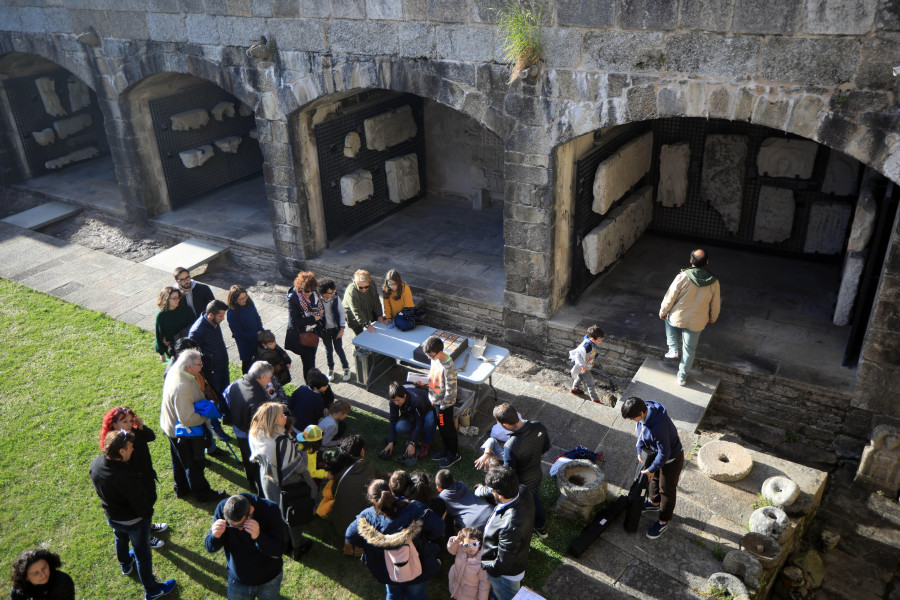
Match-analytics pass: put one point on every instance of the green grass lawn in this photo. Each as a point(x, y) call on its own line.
point(62, 367)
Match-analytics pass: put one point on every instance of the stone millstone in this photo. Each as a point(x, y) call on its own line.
point(729, 583)
point(724, 461)
point(780, 491)
point(744, 565)
point(764, 548)
point(771, 521)
point(582, 482)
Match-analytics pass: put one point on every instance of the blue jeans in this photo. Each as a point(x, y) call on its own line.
point(688, 342)
point(266, 591)
point(138, 535)
point(406, 591)
point(503, 588)
point(405, 427)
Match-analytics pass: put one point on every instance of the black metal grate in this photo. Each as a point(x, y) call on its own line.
point(342, 220)
point(29, 114)
point(223, 168)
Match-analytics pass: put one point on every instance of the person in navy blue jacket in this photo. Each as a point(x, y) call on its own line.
point(307, 404)
point(208, 335)
point(245, 324)
point(411, 413)
point(656, 434)
point(251, 531)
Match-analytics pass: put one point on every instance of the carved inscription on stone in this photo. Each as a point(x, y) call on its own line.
point(190, 119)
point(840, 175)
point(196, 157)
point(78, 155)
point(390, 128)
point(618, 173)
point(44, 137)
point(352, 144)
point(79, 94)
point(402, 177)
point(780, 157)
point(827, 227)
point(47, 89)
point(774, 215)
point(229, 144)
point(222, 110)
point(722, 183)
point(674, 160)
point(879, 468)
point(618, 231)
point(72, 125)
point(356, 187)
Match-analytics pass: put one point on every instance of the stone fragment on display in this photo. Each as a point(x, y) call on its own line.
point(722, 181)
point(352, 144)
point(244, 110)
point(196, 156)
point(840, 174)
point(781, 157)
point(674, 160)
point(854, 264)
point(879, 468)
point(774, 215)
point(781, 491)
point(621, 228)
point(79, 94)
point(390, 128)
point(729, 583)
point(77, 156)
point(863, 221)
point(66, 127)
point(356, 187)
point(196, 118)
point(222, 109)
point(52, 104)
point(229, 144)
point(744, 565)
point(621, 171)
point(827, 227)
point(811, 564)
point(402, 177)
point(724, 461)
point(44, 137)
point(771, 521)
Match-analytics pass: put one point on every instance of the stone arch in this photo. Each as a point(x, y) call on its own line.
point(54, 53)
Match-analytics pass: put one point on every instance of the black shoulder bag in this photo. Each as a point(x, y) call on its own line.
point(296, 500)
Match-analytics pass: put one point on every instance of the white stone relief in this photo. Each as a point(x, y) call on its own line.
point(72, 125)
point(863, 223)
point(722, 182)
point(79, 94)
point(389, 129)
point(402, 177)
point(47, 89)
point(44, 137)
point(618, 231)
point(78, 155)
point(827, 227)
point(352, 144)
point(774, 215)
point(196, 157)
point(780, 157)
point(618, 173)
point(229, 144)
point(190, 119)
point(841, 175)
point(356, 187)
point(674, 160)
point(879, 467)
point(222, 110)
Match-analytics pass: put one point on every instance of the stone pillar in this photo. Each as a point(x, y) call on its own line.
point(860, 233)
point(123, 147)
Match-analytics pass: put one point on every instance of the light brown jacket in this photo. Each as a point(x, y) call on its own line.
point(690, 307)
point(180, 391)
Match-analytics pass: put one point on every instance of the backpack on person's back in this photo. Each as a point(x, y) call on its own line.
point(403, 564)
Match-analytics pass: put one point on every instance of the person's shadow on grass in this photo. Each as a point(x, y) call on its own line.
point(197, 568)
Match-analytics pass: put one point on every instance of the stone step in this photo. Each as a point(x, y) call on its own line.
point(43, 215)
point(189, 254)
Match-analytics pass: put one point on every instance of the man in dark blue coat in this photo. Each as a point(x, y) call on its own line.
point(206, 331)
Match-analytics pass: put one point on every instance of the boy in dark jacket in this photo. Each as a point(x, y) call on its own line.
point(463, 508)
point(269, 351)
point(509, 528)
point(411, 413)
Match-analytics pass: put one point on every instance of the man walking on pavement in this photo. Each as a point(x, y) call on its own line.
point(692, 301)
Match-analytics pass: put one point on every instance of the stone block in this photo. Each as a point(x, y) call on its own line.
point(240, 31)
point(201, 29)
point(591, 15)
point(196, 118)
point(780, 157)
point(722, 182)
point(402, 177)
point(196, 157)
point(33, 19)
point(618, 231)
point(164, 27)
point(724, 461)
point(674, 160)
point(774, 215)
point(72, 125)
point(618, 173)
point(707, 54)
point(390, 128)
point(46, 87)
point(827, 228)
point(221, 110)
point(864, 220)
point(562, 46)
point(817, 61)
point(466, 42)
point(363, 37)
point(743, 565)
point(706, 15)
point(384, 9)
point(766, 16)
point(229, 144)
point(356, 187)
point(804, 117)
point(79, 94)
point(44, 137)
point(417, 39)
point(841, 174)
point(648, 14)
point(614, 50)
point(879, 468)
point(348, 9)
point(771, 111)
point(448, 11)
point(77, 156)
point(888, 16)
point(839, 17)
point(729, 583)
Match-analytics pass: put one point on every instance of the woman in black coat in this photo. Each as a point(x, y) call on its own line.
point(36, 575)
point(306, 314)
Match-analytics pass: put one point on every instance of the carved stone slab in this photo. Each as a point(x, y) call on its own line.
point(44, 137)
point(356, 187)
point(774, 215)
point(222, 109)
point(195, 157)
point(77, 156)
point(853, 270)
point(67, 127)
point(779, 157)
point(390, 128)
point(674, 160)
point(79, 94)
point(229, 144)
point(618, 231)
point(840, 175)
point(863, 223)
point(402, 177)
point(190, 119)
point(879, 467)
point(47, 89)
point(618, 173)
point(827, 227)
point(722, 183)
point(352, 144)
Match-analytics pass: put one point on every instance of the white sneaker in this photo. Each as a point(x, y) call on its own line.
point(672, 354)
point(346, 376)
point(331, 376)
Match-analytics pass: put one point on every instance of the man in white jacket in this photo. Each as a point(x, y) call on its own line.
point(692, 301)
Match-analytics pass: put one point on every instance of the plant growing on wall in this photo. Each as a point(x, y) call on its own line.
point(520, 29)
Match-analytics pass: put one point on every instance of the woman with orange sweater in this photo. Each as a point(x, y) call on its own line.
point(397, 295)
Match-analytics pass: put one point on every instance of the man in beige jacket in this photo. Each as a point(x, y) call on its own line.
point(693, 300)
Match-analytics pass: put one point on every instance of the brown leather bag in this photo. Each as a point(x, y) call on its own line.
point(309, 339)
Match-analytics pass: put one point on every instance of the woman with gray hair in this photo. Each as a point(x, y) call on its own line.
point(281, 463)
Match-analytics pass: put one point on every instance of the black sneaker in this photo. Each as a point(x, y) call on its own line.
point(541, 532)
point(650, 507)
point(128, 567)
point(439, 455)
point(656, 530)
point(449, 460)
